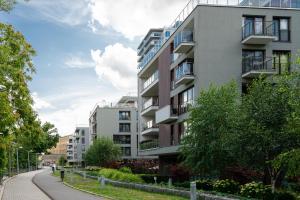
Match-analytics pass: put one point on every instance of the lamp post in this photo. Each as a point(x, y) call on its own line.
point(18, 166)
point(28, 159)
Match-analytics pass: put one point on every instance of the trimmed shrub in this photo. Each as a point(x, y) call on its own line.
point(114, 174)
point(185, 184)
point(125, 170)
point(204, 184)
point(226, 186)
point(284, 195)
point(256, 190)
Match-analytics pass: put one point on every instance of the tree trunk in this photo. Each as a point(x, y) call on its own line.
point(267, 176)
point(273, 182)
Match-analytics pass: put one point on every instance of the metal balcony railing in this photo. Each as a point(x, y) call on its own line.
point(149, 144)
point(192, 4)
point(183, 37)
point(153, 101)
point(185, 68)
point(258, 28)
point(257, 64)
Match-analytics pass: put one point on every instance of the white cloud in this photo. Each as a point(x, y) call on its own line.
point(40, 103)
point(117, 65)
point(73, 61)
point(134, 17)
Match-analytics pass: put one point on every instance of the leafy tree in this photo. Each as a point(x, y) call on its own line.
point(211, 121)
point(101, 152)
point(7, 5)
point(62, 161)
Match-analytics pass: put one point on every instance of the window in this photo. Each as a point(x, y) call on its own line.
point(281, 61)
point(172, 139)
point(186, 99)
point(281, 29)
point(253, 26)
point(253, 60)
point(126, 151)
point(124, 127)
point(82, 140)
point(122, 139)
point(124, 115)
point(82, 132)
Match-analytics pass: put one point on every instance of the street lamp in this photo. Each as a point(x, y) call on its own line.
point(18, 167)
point(28, 152)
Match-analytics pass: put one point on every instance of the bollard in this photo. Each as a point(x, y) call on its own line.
point(170, 182)
point(155, 180)
point(62, 175)
point(84, 175)
point(193, 191)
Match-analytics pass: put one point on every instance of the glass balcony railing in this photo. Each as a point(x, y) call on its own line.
point(153, 101)
point(150, 80)
point(152, 144)
point(183, 69)
point(149, 124)
point(258, 28)
point(257, 63)
point(183, 37)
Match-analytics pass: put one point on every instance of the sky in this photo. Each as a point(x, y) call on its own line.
point(86, 51)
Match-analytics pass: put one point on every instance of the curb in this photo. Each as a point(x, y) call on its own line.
point(44, 191)
point(3, 186)
point(67, 184)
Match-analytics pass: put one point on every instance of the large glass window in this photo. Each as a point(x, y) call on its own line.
point(124, 127)
point(126, 151)
point(253, 60)
point(281, 61)
point(253, 26)
point(281, 29)
point(122, 139)
point(186, 98)
point(124, 115)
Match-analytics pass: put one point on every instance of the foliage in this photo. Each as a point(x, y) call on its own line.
point(180, 173)
point(62, 161)
point(284, 195)
point(256, 190)
point(120, 176)
point(137, 166)
point(102, 151)
point(125, 170)
point(226, 186)
point(93, 168)
point(211, 121)
point(204, 184)
point(149, 178)
point(7, 5)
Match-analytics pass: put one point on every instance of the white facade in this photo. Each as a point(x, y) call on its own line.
point(119, 123)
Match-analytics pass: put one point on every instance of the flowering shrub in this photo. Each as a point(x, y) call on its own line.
point(226, 186)
point(125, 170)
point(256, 190)
point(204, 184)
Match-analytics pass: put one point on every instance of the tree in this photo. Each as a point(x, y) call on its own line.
point(211, 121)
point(102, 151)
point(62, 161)
point(270, 125)
point(7, 5)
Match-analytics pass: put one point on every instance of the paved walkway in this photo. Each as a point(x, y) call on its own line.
point(21, 188)
point(57, 190)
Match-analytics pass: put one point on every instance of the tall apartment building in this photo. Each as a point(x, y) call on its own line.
point(77, 146)
point(210, 42)
point(118, 122)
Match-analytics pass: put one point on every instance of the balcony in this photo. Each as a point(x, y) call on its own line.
point(183, 41)
point(253, 67)
point(184, 73)
point(150, 106)
point(150, 86)
point(166, 115)
point(152, 144)
point(150, 129)
point(258, 32)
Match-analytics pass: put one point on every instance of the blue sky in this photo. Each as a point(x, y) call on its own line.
point(86, 51)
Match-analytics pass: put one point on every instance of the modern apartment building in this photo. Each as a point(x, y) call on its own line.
point(77, 146)
point(210, 42)
point(61, 146)
point(118, 122)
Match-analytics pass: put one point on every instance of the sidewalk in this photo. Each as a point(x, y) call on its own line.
point(20, 188)
point(54, 188)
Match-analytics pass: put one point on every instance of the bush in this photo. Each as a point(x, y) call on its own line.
point(185, 184)
point(284, 195)
point(256, 190)
point(92, 168)
point(125, 170)
point(117, 175)
point(226, 186)
point(204, 184)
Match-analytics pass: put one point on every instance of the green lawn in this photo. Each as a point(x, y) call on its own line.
point(117, 193)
